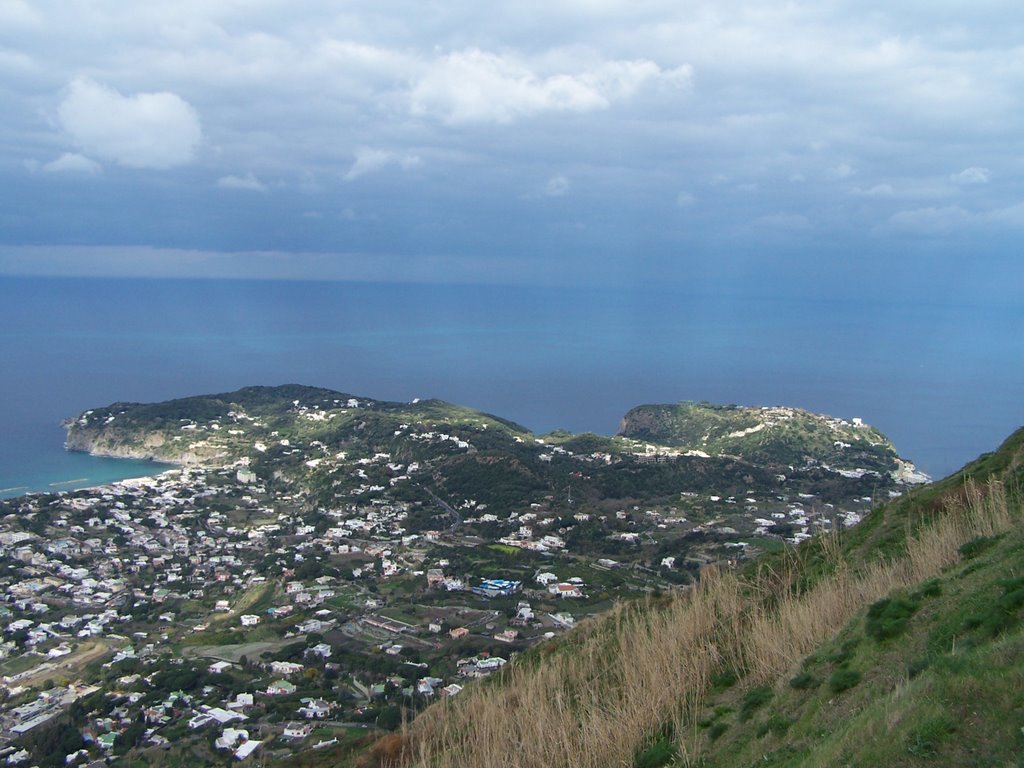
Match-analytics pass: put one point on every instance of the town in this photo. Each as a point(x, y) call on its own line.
point(302, 591)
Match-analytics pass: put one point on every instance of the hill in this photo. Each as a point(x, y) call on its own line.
point(480, 455)
point(897, 642)
point(765, 435)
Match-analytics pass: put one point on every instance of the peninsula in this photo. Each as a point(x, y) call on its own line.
point(321, 565)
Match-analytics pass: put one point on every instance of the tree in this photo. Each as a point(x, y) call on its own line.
point(390, 717)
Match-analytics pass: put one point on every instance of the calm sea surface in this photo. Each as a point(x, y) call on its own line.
point(944, 381)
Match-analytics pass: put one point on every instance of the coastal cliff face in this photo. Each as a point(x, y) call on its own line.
point(120, 443)
point(193, 430)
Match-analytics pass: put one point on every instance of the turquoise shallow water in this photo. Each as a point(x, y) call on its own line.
point(56, 470)
point(943, 380)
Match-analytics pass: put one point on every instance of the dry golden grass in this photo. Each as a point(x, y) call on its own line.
point(604, 691)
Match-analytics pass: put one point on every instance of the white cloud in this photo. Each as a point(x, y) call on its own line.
point(930, 220)
point(972, 175)
point(370, 160)
point(71, 162)
point(474, 86)
point(146, 130)
point(248, 183)
point(790, 222)
point(557, 186)
point(879, 190)
point(685, 200)
point(18, 13)
point(1011, 215)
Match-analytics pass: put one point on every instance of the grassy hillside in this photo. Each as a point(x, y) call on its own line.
point(898, 644)
point(764, 435)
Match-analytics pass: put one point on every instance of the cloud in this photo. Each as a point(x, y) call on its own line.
point(972, 175)
point(685, 200)
point(842, 171)
point(248, 183)
point(146, 130)
point(71, 162)
point(475, 86)
point(1012, 215)
point(370, 160)
point(790, 222)
point(879, 190)
point(556, 186)
point(18, 13)
point(931, 220)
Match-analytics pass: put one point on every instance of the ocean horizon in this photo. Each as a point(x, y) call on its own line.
point(546, 357)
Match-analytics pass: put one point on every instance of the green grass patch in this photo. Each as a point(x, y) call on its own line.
point(925, 739)
point(1003, 613)
point(504, 548)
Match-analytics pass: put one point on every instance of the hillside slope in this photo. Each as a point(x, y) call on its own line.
point(897, 644)
point(765, 435)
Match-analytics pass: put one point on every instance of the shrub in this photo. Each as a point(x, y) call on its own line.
point(1003, 613)
point(930, 588)
point(662, 752)
point(889, 617)
point(845, 651)
point(917, 666)
point(717, 730)
point(976, 546)
point(843, 679)
point(754, 699)
point(726, 678)
point(804, 681)
point(775, 724)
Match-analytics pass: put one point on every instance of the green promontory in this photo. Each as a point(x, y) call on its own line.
point(764, 435)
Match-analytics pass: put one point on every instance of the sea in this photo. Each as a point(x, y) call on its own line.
point(944, 380)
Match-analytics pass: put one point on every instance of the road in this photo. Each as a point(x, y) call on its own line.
point(446, 507)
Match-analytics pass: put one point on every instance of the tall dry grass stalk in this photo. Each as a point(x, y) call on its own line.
point(595, 698)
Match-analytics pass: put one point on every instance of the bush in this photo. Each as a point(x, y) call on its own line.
point(717, 730)
point(662, 752)
point(930, 588)
point(841, 656)
point(775, 724)
point(726, 678)
point(390, 718)
point(1003, 613)
point(754, 699)
point(976, 546)
point(804, 681)
point(889, 617)
point(843, 679)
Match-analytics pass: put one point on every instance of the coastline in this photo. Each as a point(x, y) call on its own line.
point(69, 471)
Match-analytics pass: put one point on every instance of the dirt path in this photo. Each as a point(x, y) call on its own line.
point(69, 666)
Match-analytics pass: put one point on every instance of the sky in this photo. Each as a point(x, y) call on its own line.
point(786, 146)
